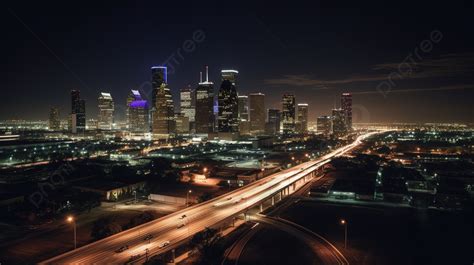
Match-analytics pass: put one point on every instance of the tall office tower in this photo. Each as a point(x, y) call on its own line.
point(324, 125)
point(163, 110)
point(228, 110)
point(54, 121)
point(302, 117)
point(204, 119)
point(338, 122)
point(106, 111)
point(132, 96)
point(182, 123)
point(288, 114)
point(187, 103)
point(230, 75)
point(78, 112)
point(346, 105)
point(243, 102)
point(273, 122)
point(137, 112)
point(159, 76)
point(257, 113)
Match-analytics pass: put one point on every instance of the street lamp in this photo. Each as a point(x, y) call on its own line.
point(187, 196)
point(204, 170)
point(344, 223)
point(70, 219)
point(135, 194)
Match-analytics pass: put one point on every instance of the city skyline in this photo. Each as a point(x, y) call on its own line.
point(318, 73)
point(202, 133)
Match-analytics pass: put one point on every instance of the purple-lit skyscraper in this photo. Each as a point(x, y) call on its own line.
point(137, 113)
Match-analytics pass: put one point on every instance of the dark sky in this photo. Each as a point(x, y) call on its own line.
point(312, 50)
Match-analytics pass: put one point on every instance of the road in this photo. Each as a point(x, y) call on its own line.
point(197, 218)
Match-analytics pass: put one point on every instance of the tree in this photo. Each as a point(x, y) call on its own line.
point(142, 218)
point(205, 197)
point(104, 227)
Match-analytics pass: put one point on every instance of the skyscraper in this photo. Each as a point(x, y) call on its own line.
point(338, 122)
point(243, 102)
point(230, 75)
point(187, 103)
point(288, 114)
point(204, 119)
point(137, 112)
point(302, 117)
point(257, 113)
point(78, 112)
point(54, 122)
point(163, 110)
point(273, 122)
point(346, 105)
point(324, 125)
point(159, 76)
point(227, 103)
point(106, 111)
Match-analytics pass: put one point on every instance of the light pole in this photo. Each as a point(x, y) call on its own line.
point(135, 194)
point(344, 223)
point(70, 219)
point(187, 197)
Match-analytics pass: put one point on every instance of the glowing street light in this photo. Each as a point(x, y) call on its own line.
point(187, 196)
point(344, 223)
point(70, 219)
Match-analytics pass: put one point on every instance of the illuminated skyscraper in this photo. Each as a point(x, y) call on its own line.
point(338, 122)
point(106, 111)
point(230, 75)
point(288, 114)
point(324, 125)
point(257, 113)
point(187, 103)
point(346, 105)
point(137, 112)
point(159, 76)
point(273, 122)
point(302, 117)
point(163, 110)
point(78, 112)
point(54, 121)
point(204, 119)
point(227, 103)
point(243, 102)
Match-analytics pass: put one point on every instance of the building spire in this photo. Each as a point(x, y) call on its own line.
point(207, 73)
point(200, 77)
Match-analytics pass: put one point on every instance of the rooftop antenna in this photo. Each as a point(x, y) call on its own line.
point(207, 73)
point(200, 77)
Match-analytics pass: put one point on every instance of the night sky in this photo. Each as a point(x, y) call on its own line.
point(314, 51)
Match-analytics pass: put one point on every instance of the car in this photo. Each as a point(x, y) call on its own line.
point(148, 237)
point(181, 225)
point(121, 249)
point(182, 216)
point(134, 257)
point(164, 244)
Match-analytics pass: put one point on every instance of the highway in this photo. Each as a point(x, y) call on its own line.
point(170, 228)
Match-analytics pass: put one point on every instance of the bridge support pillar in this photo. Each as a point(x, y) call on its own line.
point(261, 207)
point(173, 256)
point(273, 200)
